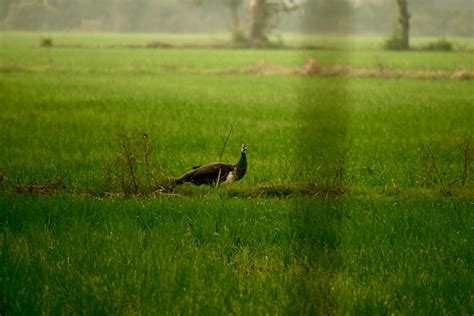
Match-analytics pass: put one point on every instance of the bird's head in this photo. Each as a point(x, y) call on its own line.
point(243, 149)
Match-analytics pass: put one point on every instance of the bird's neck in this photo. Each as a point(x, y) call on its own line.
point(243, 160)
point(241, 166)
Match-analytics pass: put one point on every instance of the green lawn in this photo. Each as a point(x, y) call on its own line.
point(358, 198)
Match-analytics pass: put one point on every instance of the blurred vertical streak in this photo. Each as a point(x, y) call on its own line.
point(323, 144)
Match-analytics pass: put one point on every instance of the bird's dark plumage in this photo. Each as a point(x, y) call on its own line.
point(217, 172)
point(207, 174)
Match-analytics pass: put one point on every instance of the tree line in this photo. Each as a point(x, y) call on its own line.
point(245, 18)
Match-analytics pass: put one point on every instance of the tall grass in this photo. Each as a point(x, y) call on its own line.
point(66, 126)
point(68, 255)
point(341, 211)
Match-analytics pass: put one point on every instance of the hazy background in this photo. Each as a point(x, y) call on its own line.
point(429, 17)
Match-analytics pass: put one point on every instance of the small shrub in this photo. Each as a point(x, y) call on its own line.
point(240, 40)
point(157, 44)
point(136, 174)
point(394, 43)
point(441, 45)
point(46, 42)
point(433, 174)
point(238, 37)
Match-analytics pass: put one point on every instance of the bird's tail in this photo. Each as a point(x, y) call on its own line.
point(170, 184)
point(177, 181)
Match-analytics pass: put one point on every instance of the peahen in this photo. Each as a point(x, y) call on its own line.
point(217, 172)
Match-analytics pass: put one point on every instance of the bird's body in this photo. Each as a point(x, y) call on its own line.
point(217, 172)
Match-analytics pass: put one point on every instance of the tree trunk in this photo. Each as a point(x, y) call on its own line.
point(404, 20)
point(258, 20)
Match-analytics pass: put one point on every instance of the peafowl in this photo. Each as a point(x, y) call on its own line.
point(217, 172)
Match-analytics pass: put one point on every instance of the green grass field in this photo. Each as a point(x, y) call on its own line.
point(358, 198)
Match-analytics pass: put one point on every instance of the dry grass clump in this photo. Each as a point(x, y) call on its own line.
point(433, 173)
point(463, 73)
point(133, 172)
point(312, 68)
point(49, 187)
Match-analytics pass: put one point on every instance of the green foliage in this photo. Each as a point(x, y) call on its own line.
point(442, 45)
point(395, 42)
point(46, 42)
point(238, 37)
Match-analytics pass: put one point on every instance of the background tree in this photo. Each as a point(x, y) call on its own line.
point(404, 21)
point(401, 33)
point(29, 14)
point(259, 20)
point(264, 16)
point(429, 17)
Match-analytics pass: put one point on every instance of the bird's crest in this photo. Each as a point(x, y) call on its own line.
point(243, 149)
